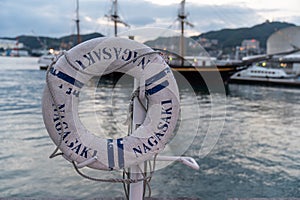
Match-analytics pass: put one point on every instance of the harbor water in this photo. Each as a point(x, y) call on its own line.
point(247, 143)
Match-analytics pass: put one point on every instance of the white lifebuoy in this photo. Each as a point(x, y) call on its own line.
point(102, 56)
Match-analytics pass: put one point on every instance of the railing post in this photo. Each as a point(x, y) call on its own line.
point(136, 190)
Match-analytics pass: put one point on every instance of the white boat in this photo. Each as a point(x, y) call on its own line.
point(262, 72)
point(263, 75)
point(45, 60)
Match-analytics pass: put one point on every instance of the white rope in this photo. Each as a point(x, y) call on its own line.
point(111, 180)
point(146, 179)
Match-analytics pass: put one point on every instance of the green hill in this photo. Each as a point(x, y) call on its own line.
point(66, 42)
point(227, 39)
point(230, 38)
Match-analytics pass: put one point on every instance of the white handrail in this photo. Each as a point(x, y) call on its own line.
point(188, 161)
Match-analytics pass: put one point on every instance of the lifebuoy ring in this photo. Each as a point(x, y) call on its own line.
point(101, 56)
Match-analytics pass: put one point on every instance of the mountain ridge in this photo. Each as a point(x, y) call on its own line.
point(44, 42)
point(230, 38)
point(227, 38)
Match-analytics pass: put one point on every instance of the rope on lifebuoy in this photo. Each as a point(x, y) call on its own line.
point(101, 56)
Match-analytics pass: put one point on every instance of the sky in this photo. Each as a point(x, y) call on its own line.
point(55, 18)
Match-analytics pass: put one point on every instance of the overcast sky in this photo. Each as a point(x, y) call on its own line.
point(55, 18)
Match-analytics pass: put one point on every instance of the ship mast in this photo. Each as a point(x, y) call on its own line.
point(115, 17)
point(77, 22)
point(182, 16)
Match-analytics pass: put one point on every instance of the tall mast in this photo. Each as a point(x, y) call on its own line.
point(77, 22)
point(115, 17)
point(182, 19)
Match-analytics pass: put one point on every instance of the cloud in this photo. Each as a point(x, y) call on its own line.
point(56, 18)
point(227, 16)
point(141, 20)
point(294, 19)
point(204, 17)
point(143, 13)
point(23, 18)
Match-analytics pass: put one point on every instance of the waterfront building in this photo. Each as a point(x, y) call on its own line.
point(12, 48)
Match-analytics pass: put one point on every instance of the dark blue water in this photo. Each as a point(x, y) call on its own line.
point(247, 143)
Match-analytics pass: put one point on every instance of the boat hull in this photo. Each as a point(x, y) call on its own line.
point(291, 82)
point(212, 79)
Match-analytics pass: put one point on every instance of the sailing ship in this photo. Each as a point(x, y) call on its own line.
point(45, 60)
point(202, 69)
point(115, 18)
point(196, 69)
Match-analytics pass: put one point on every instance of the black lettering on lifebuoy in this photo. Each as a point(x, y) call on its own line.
point(126, 51)
point(117, 52)
point(82, 66)
point(143, 62)
point(152, 140)
point(98, 54)
point(77, 148)
point(162, 127)
point(137, 150)
point(84, 151)
point(72, 143)
point(90, 58)
point(159, 135)
point(146, 148)
point(107, 53)
point(66, 134)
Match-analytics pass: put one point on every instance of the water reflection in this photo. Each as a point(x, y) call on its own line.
point(256, 155)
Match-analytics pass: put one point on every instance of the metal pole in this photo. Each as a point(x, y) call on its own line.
point(77, 22)
point(136, 189)
point(182, 17)
point(182, 43)
point(115, 16)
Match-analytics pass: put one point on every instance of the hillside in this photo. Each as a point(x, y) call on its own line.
point(230, 38)
point(33, 42)
point(227, 39)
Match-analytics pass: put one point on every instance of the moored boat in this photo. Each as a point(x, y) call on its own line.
point(266, 76)
point(45, 60)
